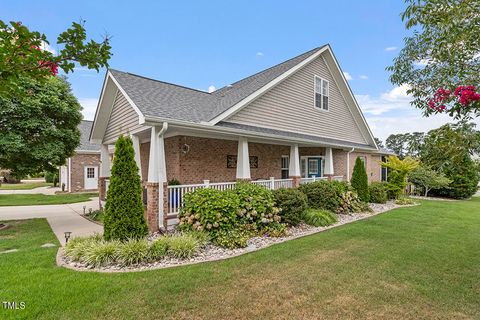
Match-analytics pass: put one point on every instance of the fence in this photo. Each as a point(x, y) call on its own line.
point(176, 193)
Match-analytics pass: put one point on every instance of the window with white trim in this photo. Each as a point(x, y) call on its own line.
point(321, 93)
point(285, 165)
point(90, 173)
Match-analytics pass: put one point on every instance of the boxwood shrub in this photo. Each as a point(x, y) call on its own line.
point(324, 194)
point(292, 203)
point(378, 192)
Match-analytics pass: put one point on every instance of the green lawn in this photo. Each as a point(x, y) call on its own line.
point(41, 199)
point(411, 263)
point(24, 186)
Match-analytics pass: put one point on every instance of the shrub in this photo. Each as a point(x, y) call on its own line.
point(76, 247)
point(319, 217)
point(124, 213)
point(275, 230)
point(292, 203)
point(360, 180)
point(51, 177)
point(403, 201)
point(202, 237)
point(231, 239)
point(257, 205)
point(133, 251)
point(183, 246)
point(350, 202)
point(158, 248)
point(210, 210)
point(324, 194)
point(101, 253)
point(397, 177)
point(378, 192)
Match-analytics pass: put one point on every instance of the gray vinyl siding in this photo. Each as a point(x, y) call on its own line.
point(289, 106)
point(123, 119)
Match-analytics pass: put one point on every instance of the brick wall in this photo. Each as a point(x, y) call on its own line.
point(207, 159)
point(79, 162)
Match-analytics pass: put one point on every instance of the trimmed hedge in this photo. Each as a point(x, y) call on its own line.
point(324, 194)
point(378, 192)
point(292, 203)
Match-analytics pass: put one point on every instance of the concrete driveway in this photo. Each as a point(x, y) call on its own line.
point(61, 217)
point(39, 190)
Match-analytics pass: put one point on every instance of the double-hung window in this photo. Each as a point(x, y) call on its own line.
point(321, 93)
point(285, 164)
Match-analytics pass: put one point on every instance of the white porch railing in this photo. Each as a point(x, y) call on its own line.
point(176, 193)
point(312, 179)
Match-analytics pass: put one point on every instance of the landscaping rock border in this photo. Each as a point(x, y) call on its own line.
point(215, 253)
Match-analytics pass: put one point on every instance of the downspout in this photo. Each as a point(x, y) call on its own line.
point(348, 164)
point(162, 180)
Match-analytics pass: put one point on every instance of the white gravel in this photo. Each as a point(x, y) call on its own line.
point(213, 253)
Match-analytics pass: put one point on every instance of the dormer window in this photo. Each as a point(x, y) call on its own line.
point(321, 93)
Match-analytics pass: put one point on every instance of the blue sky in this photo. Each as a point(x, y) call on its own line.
point(201, 44)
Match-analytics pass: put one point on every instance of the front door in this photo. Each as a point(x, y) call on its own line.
point(314, 167)
point(91, 178)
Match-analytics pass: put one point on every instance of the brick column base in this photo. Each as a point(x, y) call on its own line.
point(102, 190)
point(165, 205)
point(152, 206)
point(296, 181)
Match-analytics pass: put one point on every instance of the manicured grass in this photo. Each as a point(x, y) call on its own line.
point(41, 199)
point(24, 186)
point(411, 263)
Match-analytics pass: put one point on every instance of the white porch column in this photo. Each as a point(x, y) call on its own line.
point(104, 161)
point(136, 148)
point(328, 162)
point(157, 178)
point(294, 162)
point(243, 160)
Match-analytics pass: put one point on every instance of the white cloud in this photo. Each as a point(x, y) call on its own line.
point(347, 76)
point(259, 54)
point(391, 112)
point(211, 89)
point(46, 47)
point(391, 48)
point(363, 77)
point(89, 107)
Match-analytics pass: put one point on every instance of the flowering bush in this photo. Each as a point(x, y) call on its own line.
point(462, 97)
point(209, 210)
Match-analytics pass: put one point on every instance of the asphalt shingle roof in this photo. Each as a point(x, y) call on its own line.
point(161, 99)
point(85, 127)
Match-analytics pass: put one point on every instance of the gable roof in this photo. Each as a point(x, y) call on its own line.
point(159, 101)
point(166, 100)
point(85, 127)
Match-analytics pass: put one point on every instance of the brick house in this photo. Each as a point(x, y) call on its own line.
point(293, 123)
point(81, 171)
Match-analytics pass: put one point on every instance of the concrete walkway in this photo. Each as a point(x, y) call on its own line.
point(39, 190)
point(61, 217)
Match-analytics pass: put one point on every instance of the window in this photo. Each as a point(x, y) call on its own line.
point(90, 173)
point(321, 93)
point(384, 170)
point(285, 164)
point(313, 166)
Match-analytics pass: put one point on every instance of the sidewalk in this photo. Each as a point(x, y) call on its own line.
point(62, 217)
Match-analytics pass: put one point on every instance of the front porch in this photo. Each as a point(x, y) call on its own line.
point(190, 162)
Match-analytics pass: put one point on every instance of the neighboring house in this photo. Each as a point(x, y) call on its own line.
point(295, 122)
point(81, 171)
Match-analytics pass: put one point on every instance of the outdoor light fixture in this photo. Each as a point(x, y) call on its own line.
point(67, 235)
point(84, 207)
